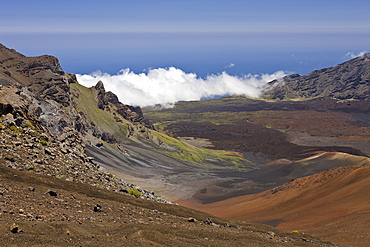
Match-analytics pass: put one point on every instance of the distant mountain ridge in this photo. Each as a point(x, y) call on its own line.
point(349, 80)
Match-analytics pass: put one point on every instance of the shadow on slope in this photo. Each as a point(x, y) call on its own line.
point(273, 174)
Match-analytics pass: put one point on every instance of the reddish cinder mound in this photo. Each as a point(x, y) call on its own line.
point(333, 205)
point(237, 154)
point(277, 162)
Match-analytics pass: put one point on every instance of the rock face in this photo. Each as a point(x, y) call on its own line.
point(349, 80)
point(131, 113)
point(43, 75)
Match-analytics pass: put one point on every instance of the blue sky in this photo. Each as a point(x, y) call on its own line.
point(155, 33)
point(205, 37)
point(185, 16)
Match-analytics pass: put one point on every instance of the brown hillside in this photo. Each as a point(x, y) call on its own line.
point(38, 210)
point(333, 205)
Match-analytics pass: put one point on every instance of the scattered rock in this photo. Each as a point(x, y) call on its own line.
point(191, 219)
point(14, 228)
point(51, 193)
point(215, 225)
point(98, 208)
point(208, 221)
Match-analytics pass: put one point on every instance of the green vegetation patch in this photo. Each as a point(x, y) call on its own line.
point(29, 125)
point(15, 129)
point(134, 192)
point(44, 140)
point(191, 153)
point(162, 125)
point(87, 103)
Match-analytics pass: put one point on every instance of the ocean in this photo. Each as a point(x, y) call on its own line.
point(200, 53)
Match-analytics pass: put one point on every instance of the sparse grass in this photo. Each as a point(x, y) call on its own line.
point(44, 140)
point(162, 125)
point(124, 129)
point(134, 192)
point(30, 126)
point(15, 129)
point(87, 103)
point(191, 153)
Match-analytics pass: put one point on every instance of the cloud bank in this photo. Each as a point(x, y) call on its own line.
point(169, 85)
point(353, 55)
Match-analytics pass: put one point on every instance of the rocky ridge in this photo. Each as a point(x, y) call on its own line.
point(131, 113)
point(51, 99)
point(349, 80)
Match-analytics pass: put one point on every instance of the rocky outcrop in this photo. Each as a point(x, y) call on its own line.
point(101, 96)
point(349, 80)
point(43, 75)
point(130, 113)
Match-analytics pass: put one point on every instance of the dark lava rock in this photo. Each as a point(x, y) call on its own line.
point(14, 228)
point(98, 208)
point(51, 193)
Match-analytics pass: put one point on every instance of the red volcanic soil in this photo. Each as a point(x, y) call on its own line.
point(237, 154)
point(277, 162)
point(333, 205)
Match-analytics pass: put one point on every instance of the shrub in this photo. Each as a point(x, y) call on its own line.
point(30, 126)
point(134, 192)
point(15, 129)
point(43, 140)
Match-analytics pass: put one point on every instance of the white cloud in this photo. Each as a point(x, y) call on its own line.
point(230, 65)
point(170, 85)
point(353, 55)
